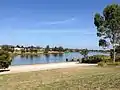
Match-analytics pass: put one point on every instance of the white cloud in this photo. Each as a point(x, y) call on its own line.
point(58, 22)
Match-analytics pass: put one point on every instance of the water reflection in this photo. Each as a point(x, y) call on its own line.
point(60, 54)
point(22, 56)
point(26, 56)
point(31, 57)
point(55, 54)
point(46, 58)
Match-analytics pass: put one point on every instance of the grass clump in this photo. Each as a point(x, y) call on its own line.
point(103, 64)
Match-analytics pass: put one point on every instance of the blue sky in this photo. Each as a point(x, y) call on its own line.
point(67, 23)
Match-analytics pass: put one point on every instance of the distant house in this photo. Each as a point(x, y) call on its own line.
point(18, 49)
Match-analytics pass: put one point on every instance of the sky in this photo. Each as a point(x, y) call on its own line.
point(67, 23)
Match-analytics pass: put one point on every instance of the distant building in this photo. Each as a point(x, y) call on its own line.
point(17, 48)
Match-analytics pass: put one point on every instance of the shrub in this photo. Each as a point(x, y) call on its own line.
point(102, 64)
point(96, 59)
point(113, 64)
point(5, 59)
point(117, 58)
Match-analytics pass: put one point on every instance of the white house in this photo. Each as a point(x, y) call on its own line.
point(16, 48)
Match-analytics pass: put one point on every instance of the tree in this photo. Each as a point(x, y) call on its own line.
point(22, 46)
point(84, 52)
point(22, 50)
point(55, 49)
point(60, 49)
point(5, 59)
point(108, 26)
point(47, 49)
point(8, 48)
point(17, 46)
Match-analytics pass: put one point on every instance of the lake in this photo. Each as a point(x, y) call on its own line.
point(50, 58)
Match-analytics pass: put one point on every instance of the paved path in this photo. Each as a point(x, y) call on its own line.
point(27, 68)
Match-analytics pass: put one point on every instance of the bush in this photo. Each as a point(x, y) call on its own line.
point(117, 58)
point(5, 59)
point(113, 64)
point(102, 64)
point(96, 59)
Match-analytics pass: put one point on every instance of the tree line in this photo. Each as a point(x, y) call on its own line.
point(35, 49)
point(31, 49)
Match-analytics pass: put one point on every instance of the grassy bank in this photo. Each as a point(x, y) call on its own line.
point(87, 78)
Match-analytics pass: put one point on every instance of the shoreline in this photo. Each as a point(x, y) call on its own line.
point(38, 53)
point(38, 67)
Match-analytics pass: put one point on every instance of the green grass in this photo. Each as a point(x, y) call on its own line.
point(89, 78)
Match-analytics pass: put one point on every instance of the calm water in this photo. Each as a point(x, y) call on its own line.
point(51, 58)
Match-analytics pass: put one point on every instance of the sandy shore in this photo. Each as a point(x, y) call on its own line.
point(28, 68)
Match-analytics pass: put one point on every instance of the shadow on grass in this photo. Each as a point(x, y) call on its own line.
point(4, 70)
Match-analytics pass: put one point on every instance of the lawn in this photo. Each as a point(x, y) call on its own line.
point(78, 78)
